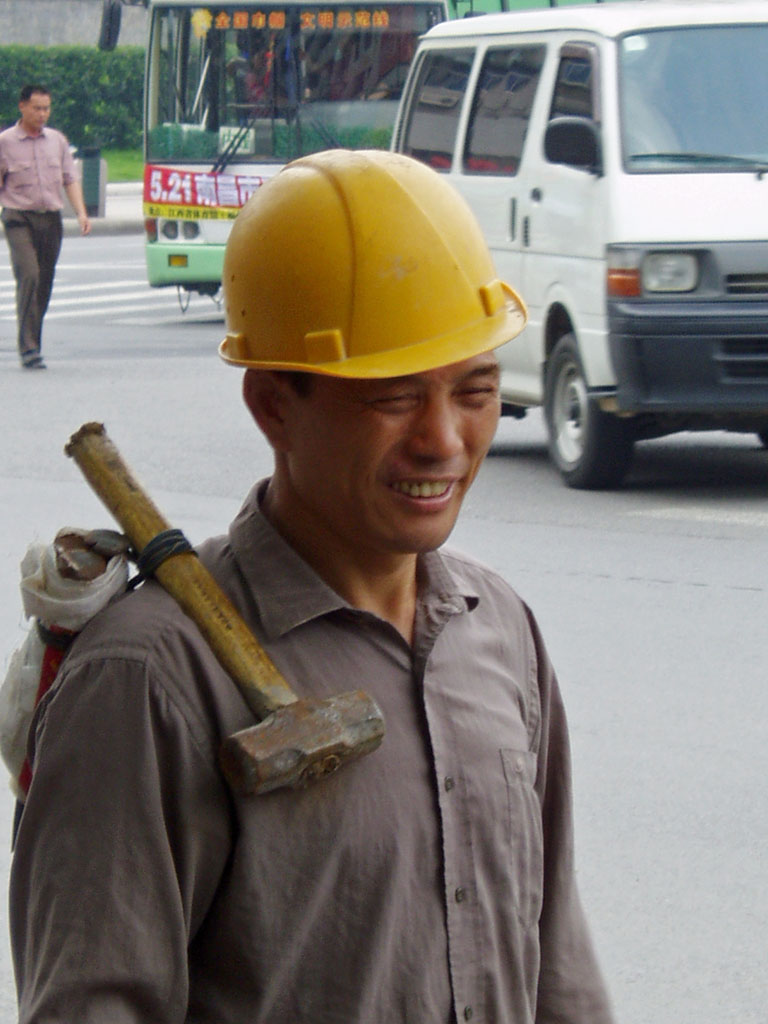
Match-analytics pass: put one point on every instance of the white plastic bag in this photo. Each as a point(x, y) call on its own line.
point(60, 604)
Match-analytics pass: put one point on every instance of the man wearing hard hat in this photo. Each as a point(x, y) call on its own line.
point(431, 882)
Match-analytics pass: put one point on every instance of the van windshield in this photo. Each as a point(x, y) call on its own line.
point(694, 99)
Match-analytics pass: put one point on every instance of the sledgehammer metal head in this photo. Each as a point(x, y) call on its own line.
point(297, 741)
point(301, 742)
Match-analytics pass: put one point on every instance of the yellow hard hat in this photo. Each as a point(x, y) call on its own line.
point(361, 264)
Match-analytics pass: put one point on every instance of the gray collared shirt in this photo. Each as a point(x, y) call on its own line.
point(429, 882)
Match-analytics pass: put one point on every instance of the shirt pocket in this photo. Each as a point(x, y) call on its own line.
point(20, 175)
point(52, 176)
point(525, 834)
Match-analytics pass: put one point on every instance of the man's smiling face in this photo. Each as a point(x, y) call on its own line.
point(382, 466)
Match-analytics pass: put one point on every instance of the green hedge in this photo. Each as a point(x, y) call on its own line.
point(96, 95)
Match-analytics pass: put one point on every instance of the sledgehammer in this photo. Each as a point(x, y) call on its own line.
point(296, 741)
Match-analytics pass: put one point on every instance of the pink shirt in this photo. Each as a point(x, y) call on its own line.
point(34, 168)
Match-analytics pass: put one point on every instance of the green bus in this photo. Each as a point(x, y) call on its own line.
point(236, 88)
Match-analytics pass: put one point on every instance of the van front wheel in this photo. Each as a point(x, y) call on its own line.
point(591, 448)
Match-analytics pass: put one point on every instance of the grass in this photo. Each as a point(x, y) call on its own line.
point(124, 164)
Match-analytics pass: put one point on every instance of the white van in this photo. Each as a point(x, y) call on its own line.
point(616, 156)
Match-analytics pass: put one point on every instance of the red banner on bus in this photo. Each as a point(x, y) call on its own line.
point(195, 195)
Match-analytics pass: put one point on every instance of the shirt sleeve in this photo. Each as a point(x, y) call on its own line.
point(68, 166)
point(121, 846)
point(3, 160)
point(571, 988)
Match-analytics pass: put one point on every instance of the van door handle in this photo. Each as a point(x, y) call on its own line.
point(512, 219)
point(537, 195)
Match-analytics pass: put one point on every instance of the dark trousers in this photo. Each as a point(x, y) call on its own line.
point(34, 240)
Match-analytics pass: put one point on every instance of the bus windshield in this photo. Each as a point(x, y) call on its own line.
point(268, 83)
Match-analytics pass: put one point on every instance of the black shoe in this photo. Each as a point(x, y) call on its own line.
point(33, 363)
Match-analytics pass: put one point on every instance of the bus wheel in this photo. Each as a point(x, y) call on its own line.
point(591, 448)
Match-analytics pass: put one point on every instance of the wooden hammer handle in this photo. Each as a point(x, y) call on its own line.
point(182, 575)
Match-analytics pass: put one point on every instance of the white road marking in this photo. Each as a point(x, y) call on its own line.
point(699, 514)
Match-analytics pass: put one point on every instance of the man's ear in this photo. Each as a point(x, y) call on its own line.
point(266, 394)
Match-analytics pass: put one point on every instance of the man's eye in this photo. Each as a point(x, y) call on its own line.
point(479, 393)
point(394, 403)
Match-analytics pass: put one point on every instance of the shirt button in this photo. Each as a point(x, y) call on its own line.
point(467, 1013)
point(460, 895)
point(449, 782)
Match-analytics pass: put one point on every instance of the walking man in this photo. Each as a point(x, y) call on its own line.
point(35, 164)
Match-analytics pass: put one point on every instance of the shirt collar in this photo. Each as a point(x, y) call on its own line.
point(288, 592)
point(22, 132)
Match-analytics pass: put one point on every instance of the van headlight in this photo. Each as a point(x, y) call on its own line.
point(669, 272)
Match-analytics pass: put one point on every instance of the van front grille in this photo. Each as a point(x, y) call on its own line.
point(747, 284)
point(744, 358)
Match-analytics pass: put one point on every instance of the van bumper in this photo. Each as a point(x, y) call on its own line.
point(690, 357)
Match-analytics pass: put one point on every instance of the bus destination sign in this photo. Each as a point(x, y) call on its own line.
point(325, 19)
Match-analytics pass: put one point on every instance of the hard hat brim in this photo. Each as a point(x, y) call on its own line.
point(482, 336)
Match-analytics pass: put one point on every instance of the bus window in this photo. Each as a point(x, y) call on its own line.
point(234, 91)
point(282, 81)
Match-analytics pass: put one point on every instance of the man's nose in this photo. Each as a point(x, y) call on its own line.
point(436, 430)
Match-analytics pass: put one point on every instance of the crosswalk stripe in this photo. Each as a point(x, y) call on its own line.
point(63, 266)
point(92, 310)
point(101, 286)
point(143, 309)
point(197, 317)
point(110, 299)
point(699, 514)
point(99, 300)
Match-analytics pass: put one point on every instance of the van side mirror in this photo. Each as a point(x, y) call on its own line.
point(574, 141)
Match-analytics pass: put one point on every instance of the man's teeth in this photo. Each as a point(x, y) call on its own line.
point(425, 489)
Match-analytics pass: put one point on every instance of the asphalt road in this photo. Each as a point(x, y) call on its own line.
point(652, 600)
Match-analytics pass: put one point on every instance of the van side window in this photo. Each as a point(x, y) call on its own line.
point(430, 135)
point(502, 109)
point(574, 88)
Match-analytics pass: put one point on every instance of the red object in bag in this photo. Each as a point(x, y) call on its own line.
point(56, 643)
